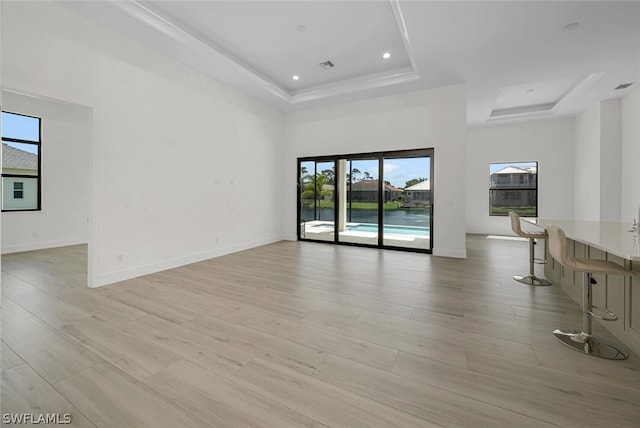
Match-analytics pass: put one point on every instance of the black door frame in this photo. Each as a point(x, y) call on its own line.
point(380, 156)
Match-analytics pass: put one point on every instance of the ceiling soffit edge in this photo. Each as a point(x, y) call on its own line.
point(187, 36)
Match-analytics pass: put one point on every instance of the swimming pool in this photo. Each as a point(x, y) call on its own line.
point(373, 228)
point(397, 230)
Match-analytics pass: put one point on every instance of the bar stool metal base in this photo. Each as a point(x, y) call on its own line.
point(531, 280)
point(590, 345)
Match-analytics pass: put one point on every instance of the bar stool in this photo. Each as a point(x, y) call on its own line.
point(584, 341)
point(530, 279)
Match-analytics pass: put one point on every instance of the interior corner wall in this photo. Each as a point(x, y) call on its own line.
point(587, 165)
point(549, 142)
point(630, 156)
point(63, 219)
point(183, 167)
point(433, 118)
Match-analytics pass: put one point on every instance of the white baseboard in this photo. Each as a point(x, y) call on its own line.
point(102, 279)
point(32, 246)
point(458, 254)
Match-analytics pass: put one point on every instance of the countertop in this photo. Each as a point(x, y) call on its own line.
point(613, 237)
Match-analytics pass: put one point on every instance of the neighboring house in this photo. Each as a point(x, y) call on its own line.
point(513, 186)
point(16, 161)
point(367, 191)
point(327, 192)
point(418, 194)
point(19, 192)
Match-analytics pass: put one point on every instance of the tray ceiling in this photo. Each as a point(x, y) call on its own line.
point(520, 60)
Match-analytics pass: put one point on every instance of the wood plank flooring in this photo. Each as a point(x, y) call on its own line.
point(304, 334)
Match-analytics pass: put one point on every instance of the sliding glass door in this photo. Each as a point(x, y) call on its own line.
point(316, 200)
point(360, 206)
point(382, 200)
point(407, 204)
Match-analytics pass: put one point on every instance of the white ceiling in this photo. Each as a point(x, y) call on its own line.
point(517, 58)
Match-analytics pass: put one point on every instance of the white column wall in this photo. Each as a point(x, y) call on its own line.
point(549, 142)
point(597, 154)
point(184, 168)
point(587, 165)
point(630, 157)
point(610, 160)
point(424, 119)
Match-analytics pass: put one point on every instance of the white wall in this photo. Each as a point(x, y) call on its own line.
point(610, 161)
point(587, 164)
point(425, 119)
point(63, 219)
point(549, 142)
point(184, 168)
point(630, 157)
point(597, 152)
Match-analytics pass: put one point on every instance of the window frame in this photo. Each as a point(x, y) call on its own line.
point(515, 188)
point(17, 190)
point(38, 177)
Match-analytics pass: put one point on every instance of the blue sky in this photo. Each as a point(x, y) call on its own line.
point(23, 128)
point(396, 171)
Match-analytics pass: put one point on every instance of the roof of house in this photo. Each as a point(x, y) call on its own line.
point(13, 157)
point(516, 170)
point(373, 186)
point(423, 185)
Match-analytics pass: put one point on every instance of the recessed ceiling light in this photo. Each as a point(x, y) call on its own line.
point(302, 28)
point(386, 55)
point(571, 27)
point(296, 77)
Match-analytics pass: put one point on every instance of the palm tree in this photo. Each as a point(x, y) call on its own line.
point(330, 174)
point(367, 176)
point(354, 174)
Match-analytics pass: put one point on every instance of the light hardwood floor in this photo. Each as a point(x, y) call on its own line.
point(305, 334)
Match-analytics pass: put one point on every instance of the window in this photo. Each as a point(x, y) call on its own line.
point(18, 190)
point(21, 162)
point(513, 187)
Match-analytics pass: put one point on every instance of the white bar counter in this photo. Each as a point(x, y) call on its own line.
point(613, 241)
point(612, 237)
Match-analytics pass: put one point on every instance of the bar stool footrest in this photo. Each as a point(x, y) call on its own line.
point(611, 316)
point(590, 345)
point(531, 280)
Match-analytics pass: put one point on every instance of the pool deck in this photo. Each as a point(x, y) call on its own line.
point(318, 231)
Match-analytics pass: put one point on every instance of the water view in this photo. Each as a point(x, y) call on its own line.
point(398, 217)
